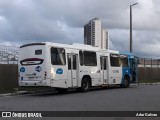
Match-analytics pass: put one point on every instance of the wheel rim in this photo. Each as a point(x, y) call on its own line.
point(85, 85)
point(125, 82)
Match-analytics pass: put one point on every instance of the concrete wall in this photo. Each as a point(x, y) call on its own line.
point(8, 76)
point(148, 74)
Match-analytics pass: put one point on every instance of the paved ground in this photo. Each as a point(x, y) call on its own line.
point(135, 98)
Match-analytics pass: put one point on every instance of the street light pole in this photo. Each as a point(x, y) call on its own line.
point(131, 49)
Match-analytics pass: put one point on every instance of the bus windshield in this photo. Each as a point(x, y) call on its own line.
point(123, 60)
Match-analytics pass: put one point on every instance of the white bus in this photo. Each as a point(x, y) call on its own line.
point(72, 66)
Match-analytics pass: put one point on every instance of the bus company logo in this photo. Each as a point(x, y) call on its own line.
point(22, 69)
point(38, 68)
point(59, 71)
point(127, 71)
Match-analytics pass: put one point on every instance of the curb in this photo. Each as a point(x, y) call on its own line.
point(23, 93)
point(29, 92)
point(158, 83)
point(15, 93)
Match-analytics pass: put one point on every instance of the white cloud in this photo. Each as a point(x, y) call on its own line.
point(24, 21)
point(146, 15)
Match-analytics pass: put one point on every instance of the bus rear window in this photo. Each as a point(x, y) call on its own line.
point(38, 52)
point(58, 56)
point(32, 61)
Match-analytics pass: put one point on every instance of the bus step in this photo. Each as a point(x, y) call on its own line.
point(105, 85)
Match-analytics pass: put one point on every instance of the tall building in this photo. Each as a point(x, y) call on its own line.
point(94, 34)
point(105, 39)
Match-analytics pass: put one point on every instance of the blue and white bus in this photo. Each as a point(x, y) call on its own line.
point(74, 66)
point(131, 70)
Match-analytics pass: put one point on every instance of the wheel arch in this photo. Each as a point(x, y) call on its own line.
point(125, 76)
point(88, 77)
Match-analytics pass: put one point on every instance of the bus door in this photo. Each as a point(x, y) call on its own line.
point(134, 63)
point(104, 69)
point(72, 69)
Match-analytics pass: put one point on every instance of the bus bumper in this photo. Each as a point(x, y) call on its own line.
point(35, 83)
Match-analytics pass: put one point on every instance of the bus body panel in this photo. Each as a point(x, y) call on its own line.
point(132, 69)
point(32, 66)
point(115, 74)
point(58, 65)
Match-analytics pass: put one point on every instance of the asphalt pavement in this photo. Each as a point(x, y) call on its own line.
point(135, 98)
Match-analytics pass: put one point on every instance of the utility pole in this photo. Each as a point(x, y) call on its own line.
point(131, 48)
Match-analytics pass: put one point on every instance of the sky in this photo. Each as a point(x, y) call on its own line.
point(62, 21)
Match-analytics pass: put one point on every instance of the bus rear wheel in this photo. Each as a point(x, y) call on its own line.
point(125, 83)
point(85, 85)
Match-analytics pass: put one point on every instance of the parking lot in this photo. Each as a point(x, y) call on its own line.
point(135, 98)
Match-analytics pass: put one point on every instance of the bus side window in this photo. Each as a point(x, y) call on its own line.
point(101, 62)
point(90, 58)
point(58, 56)
point(74, 62)
point(81, 57)
point(114, 59)
point(104, 63)
point(69, 62)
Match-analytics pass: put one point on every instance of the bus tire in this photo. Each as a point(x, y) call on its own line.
point(125, 83)
point(85, 85)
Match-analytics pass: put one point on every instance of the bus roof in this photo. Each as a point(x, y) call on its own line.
point(130, 55)
point(72, 46)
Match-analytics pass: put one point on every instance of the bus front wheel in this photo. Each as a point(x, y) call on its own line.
point(125, 83)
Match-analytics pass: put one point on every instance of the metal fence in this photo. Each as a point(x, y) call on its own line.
point(8, 54)
point(149, 62)
point(148, 70)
